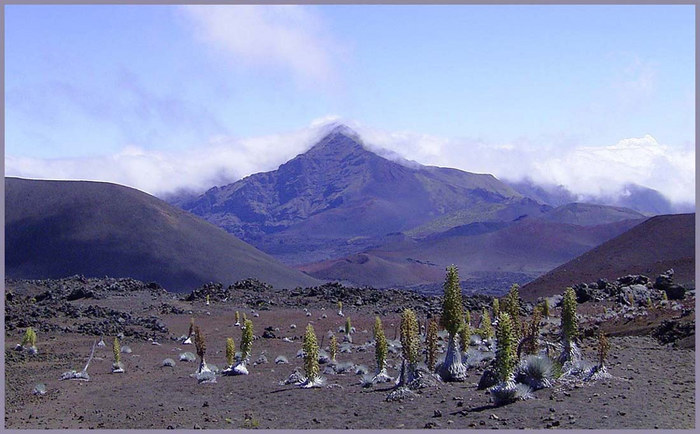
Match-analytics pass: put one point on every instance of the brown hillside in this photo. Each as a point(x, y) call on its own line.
point(660, 243)
point(55, 229)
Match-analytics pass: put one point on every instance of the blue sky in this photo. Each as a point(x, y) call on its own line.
point(516, 91)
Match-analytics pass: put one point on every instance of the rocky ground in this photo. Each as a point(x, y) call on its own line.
point(652, 361)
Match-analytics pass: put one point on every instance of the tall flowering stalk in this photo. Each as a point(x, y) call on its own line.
point(452, 368)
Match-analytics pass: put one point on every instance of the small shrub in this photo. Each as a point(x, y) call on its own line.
point(39, 389)
point(116, 350)
point(201, 347)
point(117, 365)
point(409, 336)
point(537, 371)
point(452, 309)
point(495, 307)
point(410, 346)
point(237, 317)
point(348, 326)
point(545, 308)
point(532, 333)
point(247, 340)
point(311, 368)
point(333, 347)
point(187, 357)
point(569, 326)
point(513, 309)
point(508, 392)
point(250, 421)
point(452, 319)
point(230, 351)
point(431, 344)
point(29, 338)
point(505, 351)
point(485, 328)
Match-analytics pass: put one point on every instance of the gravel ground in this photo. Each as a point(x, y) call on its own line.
point(653, 385)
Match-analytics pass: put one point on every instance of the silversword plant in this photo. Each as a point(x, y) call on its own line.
point(452, 318)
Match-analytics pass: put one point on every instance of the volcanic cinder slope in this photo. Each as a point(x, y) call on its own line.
point(651, 248)
point(55, 229)
point(530, 247)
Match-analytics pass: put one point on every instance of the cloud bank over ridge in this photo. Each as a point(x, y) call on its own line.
point(587, 171)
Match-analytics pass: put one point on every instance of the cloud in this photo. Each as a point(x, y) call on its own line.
point(584, 170)
point(591, 171)
point(291, 37)
point(221, 161)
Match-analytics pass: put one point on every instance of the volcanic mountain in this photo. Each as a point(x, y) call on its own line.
point(339, 198)
point(55, 229)
point(651, 248)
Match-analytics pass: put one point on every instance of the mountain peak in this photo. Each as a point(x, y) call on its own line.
point(341, 129)
point(339, 139)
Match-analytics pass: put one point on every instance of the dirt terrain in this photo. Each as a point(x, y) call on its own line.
point(652, 361)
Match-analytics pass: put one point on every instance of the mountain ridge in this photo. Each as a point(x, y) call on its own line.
point(338, 190)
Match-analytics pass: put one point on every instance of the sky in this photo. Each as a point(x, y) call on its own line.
point(164, 98)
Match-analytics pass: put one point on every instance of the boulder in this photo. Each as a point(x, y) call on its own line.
point(675, 292)
point(586, 293)
point(79, 293)
point(633, 279)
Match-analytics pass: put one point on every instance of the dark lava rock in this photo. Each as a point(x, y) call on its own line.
point(633, 279)
point(586, 293)
point(79, 293)
point(267, 334)
point(211, 289)
point(671, 331)
point(664, 282)
point(675, 292)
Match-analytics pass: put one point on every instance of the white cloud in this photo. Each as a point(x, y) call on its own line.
point(289, 36)
point(219, 162)
point(584, 170)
